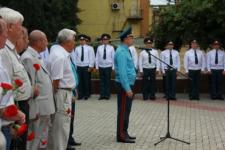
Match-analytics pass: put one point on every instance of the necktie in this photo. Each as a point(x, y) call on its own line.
point(216, 58)
point(43, 66)
point(82, 53)
point(130, 53)
point(196, 57)
point(149, 56)
point(71, 60)
point(104, 55)
point(171, 58)
point(73, 66)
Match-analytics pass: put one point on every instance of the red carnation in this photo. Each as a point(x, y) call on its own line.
point(36, 67)
point(31, 136)
point(44, 142)
point(18, 82)
point(68, 111)
point(6, 86)
point(20, 129)
point(10, 111)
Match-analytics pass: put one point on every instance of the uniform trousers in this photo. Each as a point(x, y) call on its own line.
point(149, 78)
point(84, 80)
point(89, 84)
point(170, 76)
point(216, 83)
point(194, 83)
point(105, 77)
point(124, 104)
point(71, 134)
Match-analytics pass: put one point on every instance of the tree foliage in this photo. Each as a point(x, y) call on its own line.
point(49, 16)
point(203, 20)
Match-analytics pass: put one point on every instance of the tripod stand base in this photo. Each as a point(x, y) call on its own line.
point(168, 136)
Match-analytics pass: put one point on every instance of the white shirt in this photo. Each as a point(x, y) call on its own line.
point(60, 68)
point(89, 56)
point(44, 55)
point(134, 56)
point(144, 60)
point(189, 60)
point(165, 56)
point(7, 99)
point(92, 53)
point(109, 61)
point(211, 56)
point(16, 70)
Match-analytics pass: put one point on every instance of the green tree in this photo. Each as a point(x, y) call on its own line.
point(203, 20)
point(49, 16)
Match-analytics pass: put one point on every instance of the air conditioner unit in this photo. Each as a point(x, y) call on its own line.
point(115, 6)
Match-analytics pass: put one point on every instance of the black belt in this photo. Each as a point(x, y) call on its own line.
point(149, 68)
point(169, 69)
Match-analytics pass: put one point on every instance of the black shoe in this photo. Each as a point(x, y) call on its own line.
point(152, 98)
point(220, 98)
point(126, 141)
point(145, 98)
point(101, 98)
point(85, 98)
point(191, 98)
point(131, 137)
point(74, 143)
point(79, 98)
point(107, 97)
point(213, 98)
point(70, 148)
point(77, 144)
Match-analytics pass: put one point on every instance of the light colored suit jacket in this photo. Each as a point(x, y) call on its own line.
point(16, 70)
point(44, 103)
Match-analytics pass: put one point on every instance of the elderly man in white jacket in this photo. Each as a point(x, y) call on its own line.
point(63, 83)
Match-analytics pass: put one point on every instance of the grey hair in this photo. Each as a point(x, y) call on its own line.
point(2, 25)
point(65, 35)
point(10, 15)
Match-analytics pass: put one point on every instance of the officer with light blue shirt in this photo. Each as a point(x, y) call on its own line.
point(125, 79)
point(194, 65)
point(84, 57)
point(171, 57)
point(105, 64)
point(148, 67)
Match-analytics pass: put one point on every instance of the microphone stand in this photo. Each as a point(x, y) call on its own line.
point(168, 135)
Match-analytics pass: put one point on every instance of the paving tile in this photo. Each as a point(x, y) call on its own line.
point(202, 123)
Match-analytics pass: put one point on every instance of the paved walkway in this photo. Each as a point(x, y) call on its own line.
point(202, 123)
